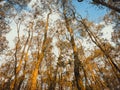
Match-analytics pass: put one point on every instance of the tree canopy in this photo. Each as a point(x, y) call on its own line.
point(47, 45)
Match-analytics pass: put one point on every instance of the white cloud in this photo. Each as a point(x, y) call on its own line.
point(107, 30)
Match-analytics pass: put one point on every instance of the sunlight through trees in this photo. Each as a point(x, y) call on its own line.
point(55, 48)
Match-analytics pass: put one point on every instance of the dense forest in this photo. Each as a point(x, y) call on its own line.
point(55, 48)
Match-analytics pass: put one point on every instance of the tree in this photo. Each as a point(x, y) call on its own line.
point(111, 4)
point(51, 53)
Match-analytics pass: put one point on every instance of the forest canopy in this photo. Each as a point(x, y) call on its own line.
point(48, 45)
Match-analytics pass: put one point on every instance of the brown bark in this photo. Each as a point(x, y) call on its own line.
point(117, 9)
point(98, 43)
point(77, 63)
point(40, 57)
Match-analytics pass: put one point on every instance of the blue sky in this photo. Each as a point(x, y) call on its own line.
point(88, 10)
point(92, 12)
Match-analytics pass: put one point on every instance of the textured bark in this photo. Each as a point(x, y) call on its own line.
point(77, 63)
point(117, 9)
point(18, 68)
point(53, 81)
point(13, 83)
point(40, 57)
point(98, 43)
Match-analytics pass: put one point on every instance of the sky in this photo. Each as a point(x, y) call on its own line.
point(92, 12)
point(83, 8)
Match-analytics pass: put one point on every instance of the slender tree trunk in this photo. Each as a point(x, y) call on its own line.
point(40, 57)
point(102, 2)
point(98, 43)
point(77, 63)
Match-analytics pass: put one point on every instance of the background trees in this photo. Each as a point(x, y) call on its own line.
point(49, 50)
